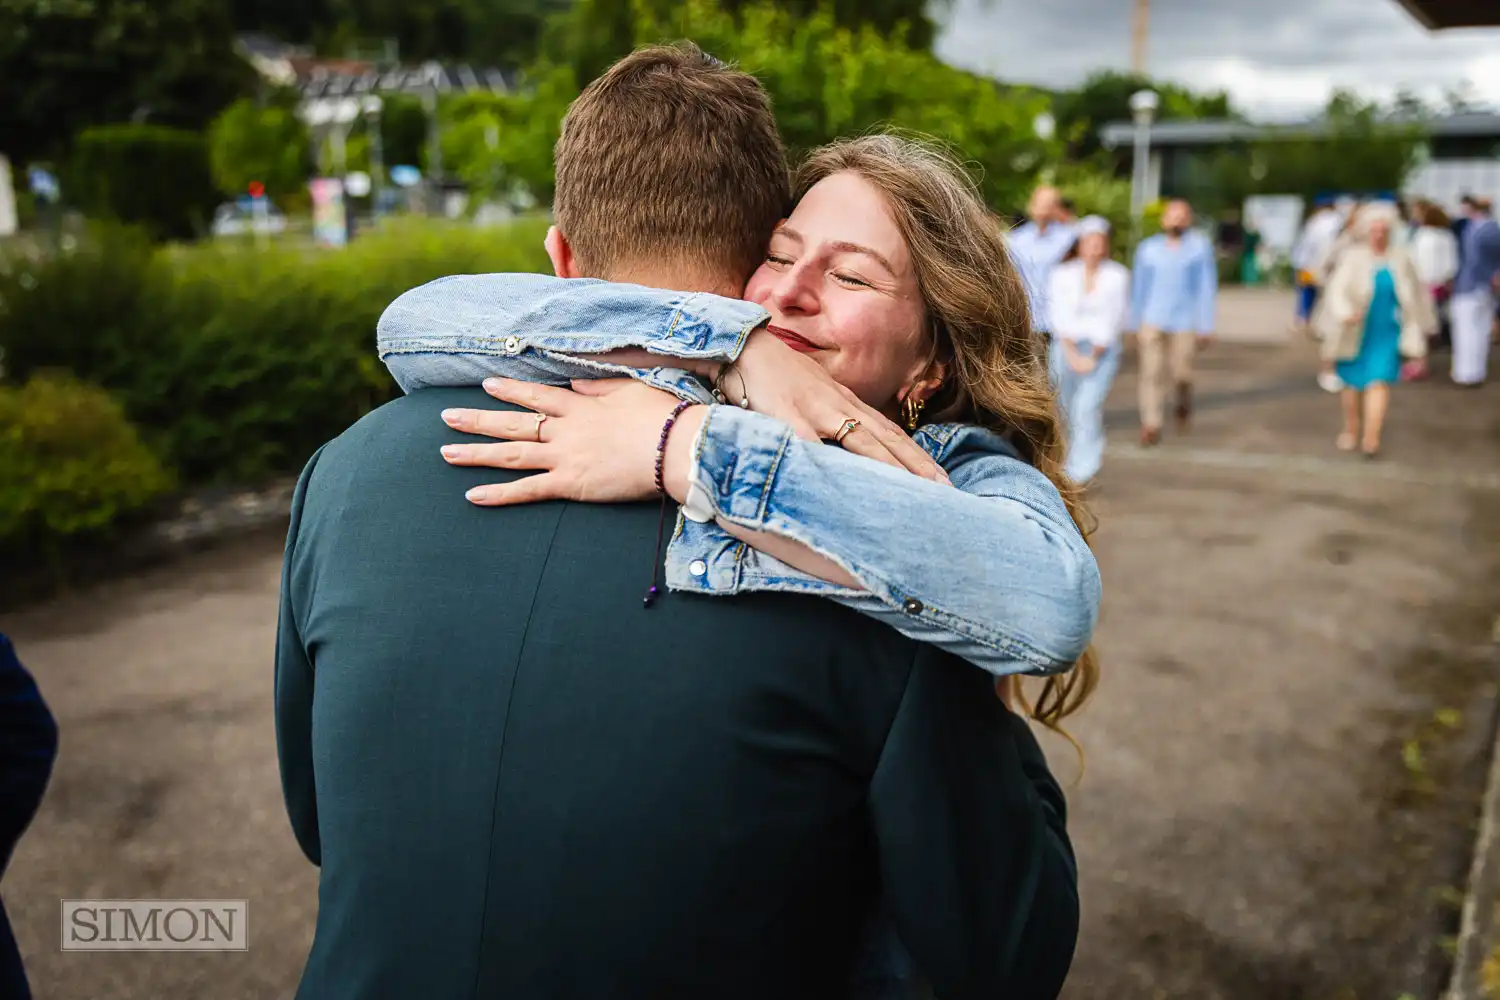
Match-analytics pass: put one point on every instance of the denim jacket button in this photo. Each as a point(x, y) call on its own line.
point(912, 606)
point(512, 345)
point(697, 567)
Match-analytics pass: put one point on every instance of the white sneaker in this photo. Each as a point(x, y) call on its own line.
point(1329, 382)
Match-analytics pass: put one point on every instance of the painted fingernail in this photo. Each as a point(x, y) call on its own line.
point(450, 451)
point(477, 494)
point(452, 418)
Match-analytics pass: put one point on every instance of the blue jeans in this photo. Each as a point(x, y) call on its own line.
point(1081, 398)
point(1307, 297)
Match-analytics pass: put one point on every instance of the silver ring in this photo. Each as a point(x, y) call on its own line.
point(845, 430)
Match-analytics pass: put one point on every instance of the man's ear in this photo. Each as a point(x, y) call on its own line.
point(563, 264)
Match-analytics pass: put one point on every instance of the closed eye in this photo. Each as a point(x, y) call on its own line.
point(776, 260)
point(850, 280)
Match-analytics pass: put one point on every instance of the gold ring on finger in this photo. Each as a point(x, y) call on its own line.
point(540, 418)
point(845, 429)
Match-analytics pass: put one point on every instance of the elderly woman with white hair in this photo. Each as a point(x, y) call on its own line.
point(1089, 303)
point(1376, 310)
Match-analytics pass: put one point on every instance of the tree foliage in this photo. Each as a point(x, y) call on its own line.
point(70, 64)
point(826, 80)
point(254, 142)
point(1105, 97)
point(487, 32)
point(150, 176)
point(1363, 150)
point(594, 33)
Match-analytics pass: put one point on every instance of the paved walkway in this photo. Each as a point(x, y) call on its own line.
point(1282, 761)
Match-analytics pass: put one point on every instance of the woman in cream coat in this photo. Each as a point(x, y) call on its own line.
point(1376, 311)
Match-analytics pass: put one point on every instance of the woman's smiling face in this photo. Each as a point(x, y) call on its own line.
point(839, 285)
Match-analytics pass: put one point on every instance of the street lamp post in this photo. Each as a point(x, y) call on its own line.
point(372, 106)
point(434, 148)
point(1143, 105)
point(1045, 127)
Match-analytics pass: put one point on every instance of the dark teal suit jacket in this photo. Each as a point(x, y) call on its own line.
point(520, 783)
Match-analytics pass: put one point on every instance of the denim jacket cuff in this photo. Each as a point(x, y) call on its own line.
point(737, 455)
point(709, 326)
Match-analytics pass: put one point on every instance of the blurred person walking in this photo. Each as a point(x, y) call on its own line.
point(1434, 252)
point(1349, 233)
point(1308, 254)
point(1037, 246)
point(1173, 297)
point(1377, 311)
point(1474, 290)
point(28, 748)
point(1090, 299)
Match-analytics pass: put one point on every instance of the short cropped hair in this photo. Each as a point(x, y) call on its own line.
point(670, 155)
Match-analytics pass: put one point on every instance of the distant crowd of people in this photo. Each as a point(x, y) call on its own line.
point(1082, 301)
point(1381, 284)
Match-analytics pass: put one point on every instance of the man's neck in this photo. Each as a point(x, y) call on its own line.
point(680, 280)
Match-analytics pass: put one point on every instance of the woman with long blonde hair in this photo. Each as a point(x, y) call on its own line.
point(895, 329)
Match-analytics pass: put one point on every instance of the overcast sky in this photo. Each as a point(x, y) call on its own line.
point(1277, 58)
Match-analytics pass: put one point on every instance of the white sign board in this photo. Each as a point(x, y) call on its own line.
point(1277, 217)
point(7, 200)
point(357, 184)
point(1446, 181)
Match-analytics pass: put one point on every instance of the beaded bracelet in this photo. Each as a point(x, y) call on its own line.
point(661, 520)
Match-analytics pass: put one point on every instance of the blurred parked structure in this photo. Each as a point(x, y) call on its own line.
point(336, 79)
point(1440, 15)
point(1462, 152)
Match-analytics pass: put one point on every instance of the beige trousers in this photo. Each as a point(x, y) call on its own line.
point(1161, 351)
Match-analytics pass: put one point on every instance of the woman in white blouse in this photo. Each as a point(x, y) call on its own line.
point(1434, 251)
point(1089, 305)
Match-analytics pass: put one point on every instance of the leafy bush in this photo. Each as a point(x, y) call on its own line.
point(236, 362)
point(145, 175)
point(523, 127)
point(1095, 192)
point(73, 464)
point(403, 131)
point(250, 142)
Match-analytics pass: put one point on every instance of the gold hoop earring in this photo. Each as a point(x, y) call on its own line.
point(911, 409)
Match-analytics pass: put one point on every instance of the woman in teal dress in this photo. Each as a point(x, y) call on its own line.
point(1378, 311)
point(1379, 357)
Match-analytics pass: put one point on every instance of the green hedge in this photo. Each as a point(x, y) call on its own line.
point(145, 175)
point(235, 362)
point(73, 464)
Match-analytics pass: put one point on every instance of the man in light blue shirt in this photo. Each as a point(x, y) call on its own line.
point(1173, 298)
point(1037, 247)
point(1473, 303)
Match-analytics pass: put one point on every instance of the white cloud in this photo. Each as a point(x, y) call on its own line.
point(1277, 58)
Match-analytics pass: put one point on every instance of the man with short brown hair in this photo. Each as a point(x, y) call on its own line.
point(643, 175)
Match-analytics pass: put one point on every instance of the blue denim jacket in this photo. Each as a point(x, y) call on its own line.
point(994, 571)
